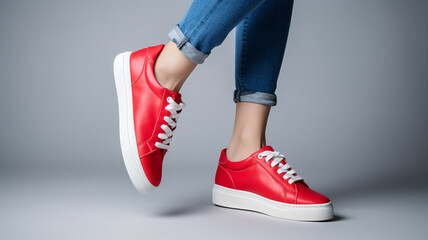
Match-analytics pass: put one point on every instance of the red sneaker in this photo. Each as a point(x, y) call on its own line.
point(148, 115)
point(265, 183)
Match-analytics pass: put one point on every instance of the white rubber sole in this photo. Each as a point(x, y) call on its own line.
point(128, 142)
point(231, 198)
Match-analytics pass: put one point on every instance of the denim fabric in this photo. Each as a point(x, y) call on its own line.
point(186, 47)
point(255, 97)
point(261, 35)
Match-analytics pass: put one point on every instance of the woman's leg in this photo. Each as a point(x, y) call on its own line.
point(204, 26)
point(260, 45)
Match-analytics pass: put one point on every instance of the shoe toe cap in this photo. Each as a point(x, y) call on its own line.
point(306, 195)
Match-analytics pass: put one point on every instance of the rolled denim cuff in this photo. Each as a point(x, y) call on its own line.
point(188, 50)
point(254, 97)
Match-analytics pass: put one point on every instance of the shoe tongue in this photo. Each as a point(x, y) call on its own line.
point(268, 148)
point(265, 148)
point(175, 95)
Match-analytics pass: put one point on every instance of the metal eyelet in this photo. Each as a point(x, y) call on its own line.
point(168, 99)
point(260, 156)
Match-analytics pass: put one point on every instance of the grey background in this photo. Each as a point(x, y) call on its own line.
point(351, 118)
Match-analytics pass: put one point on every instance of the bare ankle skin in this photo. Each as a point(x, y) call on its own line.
point(249, 130)
point(172, 68)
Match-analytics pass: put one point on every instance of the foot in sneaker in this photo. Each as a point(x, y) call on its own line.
point(148, 115)
point(264, 182)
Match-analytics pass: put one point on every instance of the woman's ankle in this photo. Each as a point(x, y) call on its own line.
point(172, 68)
point(167, 79)
point(239, 151)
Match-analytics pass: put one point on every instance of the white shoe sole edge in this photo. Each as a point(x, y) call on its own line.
point(231, 198)
point(128, 142)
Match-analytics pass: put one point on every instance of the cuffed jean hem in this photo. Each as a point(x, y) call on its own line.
point(254, 97)
point(188, 50)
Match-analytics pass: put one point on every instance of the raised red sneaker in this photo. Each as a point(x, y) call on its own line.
point(148, 115)
point(265, 182)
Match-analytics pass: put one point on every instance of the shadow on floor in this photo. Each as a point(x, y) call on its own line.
point(183, 210)
point(337, 218)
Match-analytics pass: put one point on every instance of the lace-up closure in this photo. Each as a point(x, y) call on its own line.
point(175, 110)
point(290, 174)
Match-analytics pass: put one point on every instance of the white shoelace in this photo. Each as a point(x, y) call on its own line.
point(277, 158)
point(174, 109)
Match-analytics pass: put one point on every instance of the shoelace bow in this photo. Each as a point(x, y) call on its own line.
point(174, 108)
point(290, 174)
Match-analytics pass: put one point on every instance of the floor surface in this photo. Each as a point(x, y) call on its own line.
point(104, 205)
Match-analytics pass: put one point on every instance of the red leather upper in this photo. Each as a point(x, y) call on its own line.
point(257, 176)
point(149, 102)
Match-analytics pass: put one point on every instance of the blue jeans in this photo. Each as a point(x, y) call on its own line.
point(261, 35)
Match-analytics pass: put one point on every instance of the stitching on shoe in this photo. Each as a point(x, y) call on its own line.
point(142, 70)
point(233, 183)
